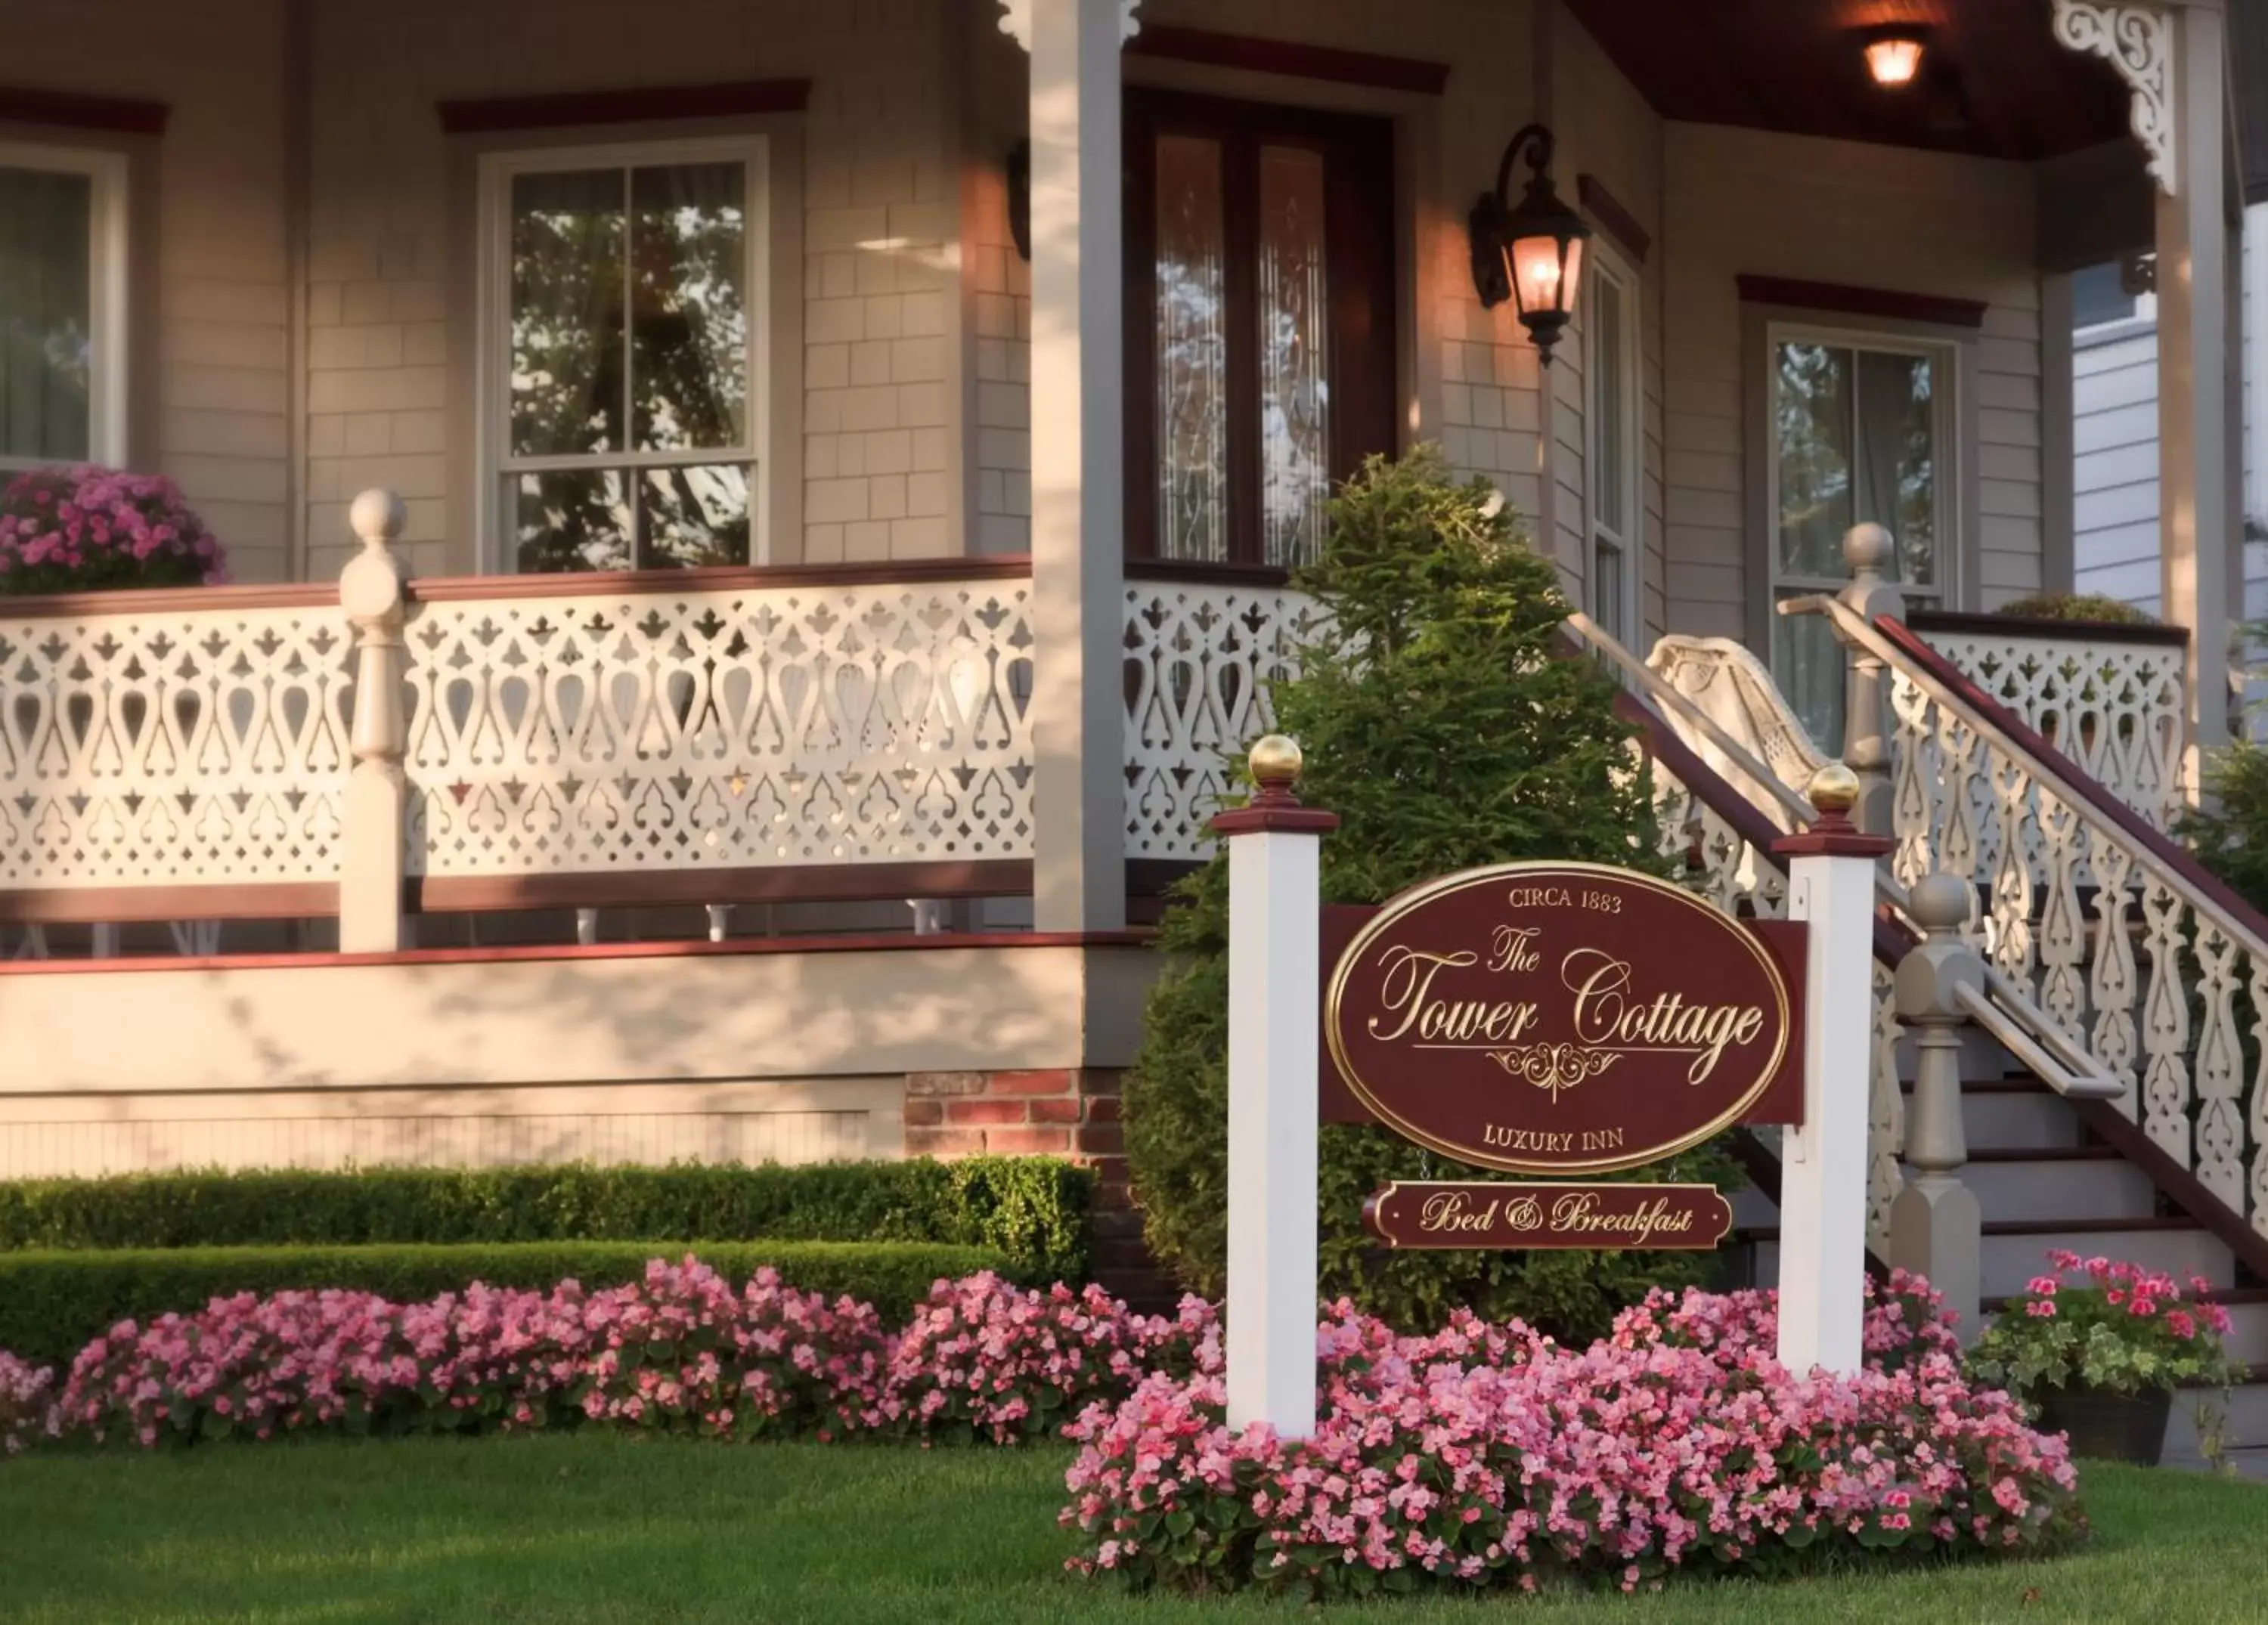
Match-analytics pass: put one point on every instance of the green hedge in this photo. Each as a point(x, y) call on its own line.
point(1031, 1208)
point(53, 1303)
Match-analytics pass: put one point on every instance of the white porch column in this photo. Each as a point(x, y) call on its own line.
point(372, 823)
point(1823, 1198)
point(1274, 1020)
point(2174, 57)
point(1079, 872)
point(2200, 467)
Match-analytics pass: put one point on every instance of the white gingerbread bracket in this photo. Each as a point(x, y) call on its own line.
point(2138, 41)
point(1016, 20)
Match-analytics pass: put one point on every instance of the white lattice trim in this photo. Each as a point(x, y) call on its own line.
point(788, 725)
point(1016, 20)
point(2138, 41)
point(1199, 660)
point(201, 745)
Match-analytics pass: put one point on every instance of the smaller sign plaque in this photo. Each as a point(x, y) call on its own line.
point(1669, 1218)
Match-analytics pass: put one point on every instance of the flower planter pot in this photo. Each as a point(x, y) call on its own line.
point(2107, 1426)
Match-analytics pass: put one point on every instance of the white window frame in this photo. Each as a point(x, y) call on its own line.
point(106, 299)
point(1945, 411)
point(495, 526)
point(1605, 266)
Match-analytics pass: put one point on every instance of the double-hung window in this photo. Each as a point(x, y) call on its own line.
point(1610, 378)
point(62, 306)
point(623, 356)
point(1861, 431)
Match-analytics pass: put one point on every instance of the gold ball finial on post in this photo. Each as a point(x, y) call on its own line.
point(1833, 789)
point(1275, 762)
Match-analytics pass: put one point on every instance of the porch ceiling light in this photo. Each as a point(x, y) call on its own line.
point(1894, 56)
point(1531, 251)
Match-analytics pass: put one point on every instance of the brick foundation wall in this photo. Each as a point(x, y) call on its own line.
point(1063, 1112)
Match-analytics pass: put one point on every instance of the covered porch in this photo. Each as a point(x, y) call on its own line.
point(894, 541)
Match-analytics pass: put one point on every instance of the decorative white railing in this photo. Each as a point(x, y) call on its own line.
point(1200, 656)
point(2131, 951)
point(736, 726)
point(171, 739)
point(572, 727)
point(2113, 699)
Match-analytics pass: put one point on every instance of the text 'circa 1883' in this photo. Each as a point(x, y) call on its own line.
point(1556, 1018)
point(1660, 1217)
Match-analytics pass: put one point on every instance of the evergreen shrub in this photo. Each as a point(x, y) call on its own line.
point(1444, 721)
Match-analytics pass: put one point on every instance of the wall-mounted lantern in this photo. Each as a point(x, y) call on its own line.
point(1019, 199)
point(1894, 56)
point(1531, 253)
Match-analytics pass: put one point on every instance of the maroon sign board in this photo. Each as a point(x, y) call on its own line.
point(1408, 1213)
point(1558, 1019)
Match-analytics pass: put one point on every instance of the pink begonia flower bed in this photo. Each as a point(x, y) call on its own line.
point(1488, 1456)
point(1479, 1454)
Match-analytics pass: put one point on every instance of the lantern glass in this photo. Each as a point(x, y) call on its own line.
point(1545, 273)
point(1894, 62)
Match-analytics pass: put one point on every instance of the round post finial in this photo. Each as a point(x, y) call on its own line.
point(1939, 902)
point(1834, 790)
point(1276, 761)
point(1866, 549)
point(378, 517)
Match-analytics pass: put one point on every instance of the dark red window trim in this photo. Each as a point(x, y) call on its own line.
point(116, 115)
point(1605, 208)
point(1846, 300)
point(645, 104)
point(1290, 58)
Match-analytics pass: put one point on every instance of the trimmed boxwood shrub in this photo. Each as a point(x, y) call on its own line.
point(1033, 1210)
point(1446, 724)
point(53, 1303)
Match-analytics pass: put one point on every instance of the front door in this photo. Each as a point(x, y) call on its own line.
point(1260, 322)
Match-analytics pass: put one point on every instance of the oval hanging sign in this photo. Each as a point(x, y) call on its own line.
point(1555, 1017)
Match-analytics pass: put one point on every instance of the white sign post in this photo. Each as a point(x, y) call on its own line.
point(1275, 950)
point(1823, 1182)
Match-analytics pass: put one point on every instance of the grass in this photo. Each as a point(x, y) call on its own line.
point(598, 1527)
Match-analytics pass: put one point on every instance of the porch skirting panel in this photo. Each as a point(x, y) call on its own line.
point(739, 1052)
point(816, 1121)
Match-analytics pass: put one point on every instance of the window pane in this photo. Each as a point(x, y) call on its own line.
point(689, 312)
point(580, 520)
point(1192, 353)
point(46, 327)
point(1808, 664)
point(567, 247)
point(1813, 405)
point(1897, 459)
point(1294, 377)
point(694, 515)
point(1609, 591)
point(2098, 294)
point(1611, 480)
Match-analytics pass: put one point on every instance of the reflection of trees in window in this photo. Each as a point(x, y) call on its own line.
point(47, 326)
point(629, 341)
point(1192, 352)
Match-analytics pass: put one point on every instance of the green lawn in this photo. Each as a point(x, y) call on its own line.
point(600, 1527)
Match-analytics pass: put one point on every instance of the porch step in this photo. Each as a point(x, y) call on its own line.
point(2005, 1115)
point(2057, 1182)
point(2243, 1422)
point(2016, 1251)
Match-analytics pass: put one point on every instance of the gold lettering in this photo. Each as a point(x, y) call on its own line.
point(1510, 951)
point(1408, 972)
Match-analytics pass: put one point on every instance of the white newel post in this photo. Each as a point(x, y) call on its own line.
point(1823, 1202)
point(373, 592)
point(1274, 1020)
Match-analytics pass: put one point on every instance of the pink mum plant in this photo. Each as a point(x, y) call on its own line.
point(85, 529)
